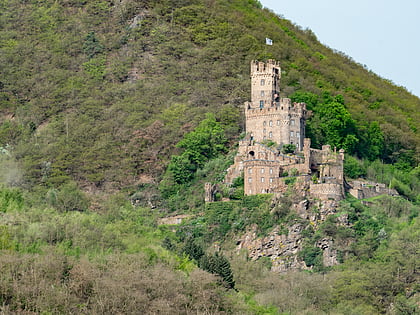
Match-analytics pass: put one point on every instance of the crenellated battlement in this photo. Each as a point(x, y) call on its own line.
point(284, 106)
point(264, 67)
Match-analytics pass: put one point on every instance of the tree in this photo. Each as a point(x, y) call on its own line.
point(193, 250)
point(288, 148)
point(219, 265)
point(92, 46)
point(205, 142)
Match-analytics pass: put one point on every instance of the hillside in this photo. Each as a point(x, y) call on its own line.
point(99, 92)
point(113, 115)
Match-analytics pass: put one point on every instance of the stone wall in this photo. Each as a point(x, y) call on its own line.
point(362, 189)
point(282, 123)
point(327, 191)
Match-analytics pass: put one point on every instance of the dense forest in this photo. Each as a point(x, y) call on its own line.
point(113, 114)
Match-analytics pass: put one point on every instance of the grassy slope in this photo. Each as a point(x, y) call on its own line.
point(107, 110)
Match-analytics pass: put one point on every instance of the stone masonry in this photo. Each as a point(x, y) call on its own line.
point(271, 123)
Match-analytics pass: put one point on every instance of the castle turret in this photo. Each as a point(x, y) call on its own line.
point(265, 83)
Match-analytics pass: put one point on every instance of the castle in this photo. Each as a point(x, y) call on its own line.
point(275, 154)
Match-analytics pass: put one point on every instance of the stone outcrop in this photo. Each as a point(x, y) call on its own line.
point(283, 247)
point(280, 248)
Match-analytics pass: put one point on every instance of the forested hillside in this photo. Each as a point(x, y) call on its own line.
point(113, 115)
point(100, 91)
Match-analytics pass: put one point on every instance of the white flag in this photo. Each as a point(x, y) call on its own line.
point(268, 41)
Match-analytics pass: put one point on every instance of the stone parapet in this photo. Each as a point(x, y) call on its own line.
point(328, 191)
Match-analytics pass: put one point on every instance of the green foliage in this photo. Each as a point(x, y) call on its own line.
point(221, 219)
point(95, 67)
point(193, 250)
point(333, 124)
point(219, 265)
point(68, 198)
point(288, 148)
point(207, 141)
point(11, 200)
point(353, 168)
point(312, 256)
point(181, 169)
point(6, 241)
point(290, 181)
point(92, 46)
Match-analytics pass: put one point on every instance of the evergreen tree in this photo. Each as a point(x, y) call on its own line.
point(193, 250)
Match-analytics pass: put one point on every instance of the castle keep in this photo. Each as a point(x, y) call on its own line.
point(275, 153)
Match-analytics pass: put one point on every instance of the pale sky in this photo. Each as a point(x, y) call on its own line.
point(384, 35)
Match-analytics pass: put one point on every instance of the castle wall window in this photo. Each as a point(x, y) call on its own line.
point(270, 123)
point(264, 130)
point(262, 171)
point(261, 104)
point(262, 93)
point(249, 170)
point(270, 135)
point(271, 171)
point(278, 122)
point(262, 82)
point(271, 179)
point(264, 123)
point(249, 179)
point(298, 134)
point(292, 122)
point(262, 179)
point(250, 191)
point(292, 134)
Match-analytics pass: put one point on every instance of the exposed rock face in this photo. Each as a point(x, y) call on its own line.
point(329, 255)
point(283, 247)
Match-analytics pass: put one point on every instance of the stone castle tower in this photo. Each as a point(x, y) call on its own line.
point(269, 117)
point(265, 168)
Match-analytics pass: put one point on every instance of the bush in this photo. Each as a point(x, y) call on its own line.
point(68, 198)
point(288, 149)
point(312, 256)
point(353, 168)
